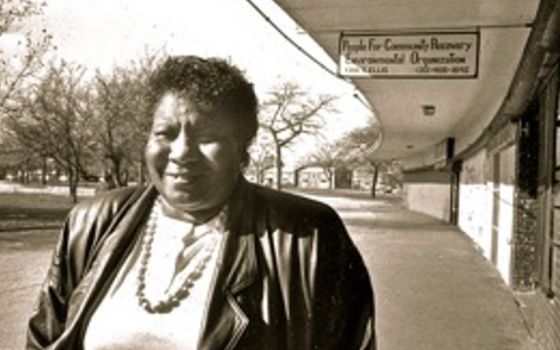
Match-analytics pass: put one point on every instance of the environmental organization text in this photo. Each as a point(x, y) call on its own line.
point(417, 55)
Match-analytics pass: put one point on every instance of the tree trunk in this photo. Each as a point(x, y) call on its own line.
point(141, 173)
point(57, 173)
point(278, 161)
point(115, 177)
point(44, 172)
point(330, 175)
point(120, 175)
point(21, 175)
point(73, 183)
point(26, 173)
point(125, 177)
point(116, 173)
point(374, 181)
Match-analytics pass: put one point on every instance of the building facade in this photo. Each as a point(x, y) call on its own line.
point(504, 192)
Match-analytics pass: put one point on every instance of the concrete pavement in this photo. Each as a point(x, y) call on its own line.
point(434, 291)
point(22, 269)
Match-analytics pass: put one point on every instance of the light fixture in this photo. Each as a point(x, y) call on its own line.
point(428, 110)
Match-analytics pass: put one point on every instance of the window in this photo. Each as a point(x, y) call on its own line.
point(549, 187)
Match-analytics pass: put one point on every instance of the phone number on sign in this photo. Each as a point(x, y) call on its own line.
point(443, 70)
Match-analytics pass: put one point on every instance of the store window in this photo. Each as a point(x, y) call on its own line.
point(549, 187)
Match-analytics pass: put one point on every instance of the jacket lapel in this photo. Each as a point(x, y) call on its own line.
point(108, 258)
point(226, 320)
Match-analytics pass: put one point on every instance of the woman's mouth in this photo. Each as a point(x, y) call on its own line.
point(186, 177)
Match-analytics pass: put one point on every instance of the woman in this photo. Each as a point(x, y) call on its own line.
point(201, 259)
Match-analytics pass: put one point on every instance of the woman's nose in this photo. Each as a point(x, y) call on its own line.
point(183, 148)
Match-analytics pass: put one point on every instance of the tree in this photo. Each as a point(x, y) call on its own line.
point(261, 156)
point(288, 113)
point(359, 146)
point(54, 119)
point(20, 58)
point(14, 157)
point(123, 116)
point(21, 55)
point(393, 173)
point(329, 156)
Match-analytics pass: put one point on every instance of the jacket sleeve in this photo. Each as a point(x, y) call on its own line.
point(87, 226)
point(48, 317)
point(344, 300)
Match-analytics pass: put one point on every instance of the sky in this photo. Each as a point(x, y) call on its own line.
point(103, 33)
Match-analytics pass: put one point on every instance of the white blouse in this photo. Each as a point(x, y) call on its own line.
point(121, 323)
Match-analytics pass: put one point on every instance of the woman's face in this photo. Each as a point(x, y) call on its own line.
point(193, 159)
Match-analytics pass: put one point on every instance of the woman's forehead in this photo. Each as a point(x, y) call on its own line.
point(181, 108)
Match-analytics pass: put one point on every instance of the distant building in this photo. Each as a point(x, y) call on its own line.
point(314, 177)
point(269, 178)
point(361, 178)
point(319, 177)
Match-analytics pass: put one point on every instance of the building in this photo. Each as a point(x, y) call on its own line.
point(476, 127)
point(361, 178)
point(315, 177)
point(269, 177)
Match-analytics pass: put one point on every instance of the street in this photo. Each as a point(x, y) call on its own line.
point(434, 291)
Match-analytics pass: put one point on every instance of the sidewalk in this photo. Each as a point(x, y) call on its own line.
point(434, 290)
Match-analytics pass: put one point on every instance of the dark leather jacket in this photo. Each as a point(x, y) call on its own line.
point(290, 277)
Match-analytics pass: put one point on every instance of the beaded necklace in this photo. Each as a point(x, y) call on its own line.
point(172, 300)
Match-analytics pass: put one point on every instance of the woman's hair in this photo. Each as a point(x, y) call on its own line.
point(211, 84)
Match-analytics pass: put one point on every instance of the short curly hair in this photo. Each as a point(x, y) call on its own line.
point(211, 84)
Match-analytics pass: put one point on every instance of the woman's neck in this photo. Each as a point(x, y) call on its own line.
point(196, 216)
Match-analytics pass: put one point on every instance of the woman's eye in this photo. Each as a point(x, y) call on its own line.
point(207, 138)
point(163, 133)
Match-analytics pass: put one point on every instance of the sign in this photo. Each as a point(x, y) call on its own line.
point(413, 55)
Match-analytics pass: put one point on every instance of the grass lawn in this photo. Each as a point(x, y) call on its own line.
point(20, 211)
point(30, 221)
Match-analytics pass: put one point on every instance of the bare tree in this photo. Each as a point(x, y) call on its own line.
point(288, 113)
point(21, 57)
point(21, 52)
point(54, 118)
point(14, 157)
point(359, 147)
point(123, 116)
point(262, 156)
point(329, 156)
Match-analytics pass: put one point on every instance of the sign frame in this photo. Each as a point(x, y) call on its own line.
point(474, 75)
